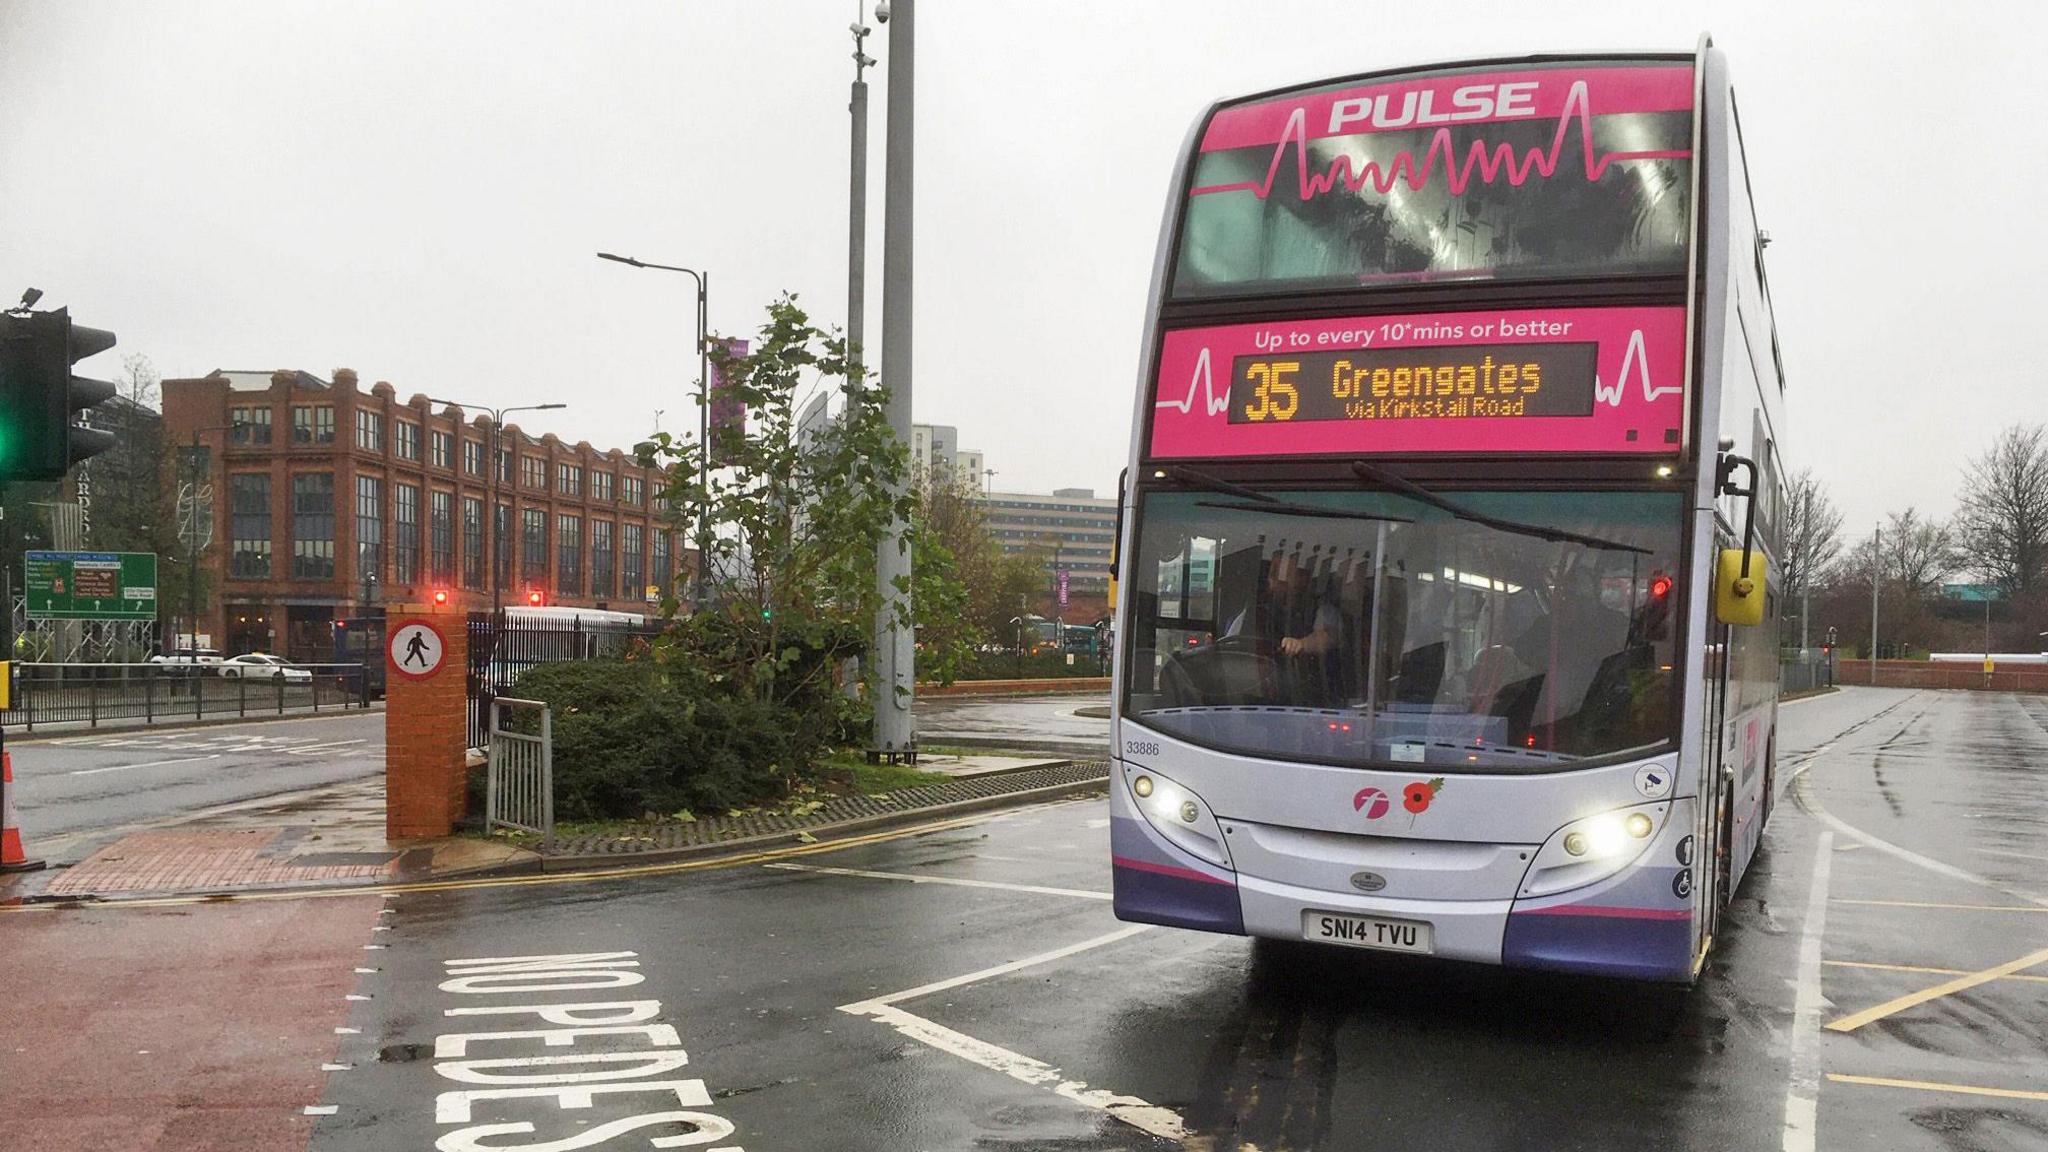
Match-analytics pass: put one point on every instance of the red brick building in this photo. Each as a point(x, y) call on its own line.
point(329, 502)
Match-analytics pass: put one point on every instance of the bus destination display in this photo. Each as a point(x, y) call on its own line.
point(1429, 383)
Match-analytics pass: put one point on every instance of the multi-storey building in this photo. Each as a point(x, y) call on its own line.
point(935, 449)
point(329, 502)
point(1072, 528)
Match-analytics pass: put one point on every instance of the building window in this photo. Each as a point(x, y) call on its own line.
point(405, 439)
point(249, 525)
point(472, 542)
point(600, 488)
point(369, 529)
point(405, 535)
point(370, 431)
point(533, 472)
point(570, 479)
point(441, 536)
point(313, 521)
point(632, 489)
point(632, 561)
point(441, 449)
point(569, 555)
point(602, 573)
point(501, 544)
point(504, 465)
point(658, 574)
point(255, 426)
point(533, 564)
point(473, 457)
point(313, 424)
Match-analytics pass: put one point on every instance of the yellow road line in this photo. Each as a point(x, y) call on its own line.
point(1920, 969)
point(1932, 1086)
point(1962, 983)
point(585, 877)
point(1956, 907)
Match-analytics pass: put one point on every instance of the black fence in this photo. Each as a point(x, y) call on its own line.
point(500, 651)
point(93, 694)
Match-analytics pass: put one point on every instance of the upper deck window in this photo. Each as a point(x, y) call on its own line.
point(1569, 170)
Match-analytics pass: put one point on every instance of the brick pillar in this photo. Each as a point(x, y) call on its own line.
point(426, 725)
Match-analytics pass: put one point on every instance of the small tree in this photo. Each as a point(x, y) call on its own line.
point(794, 521)
point(1813, 533)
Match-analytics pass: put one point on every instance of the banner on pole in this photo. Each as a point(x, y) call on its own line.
point(727, 410)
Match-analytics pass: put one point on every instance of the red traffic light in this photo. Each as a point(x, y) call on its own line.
point(535, 599)
point(440, 596)
point(1660, 586)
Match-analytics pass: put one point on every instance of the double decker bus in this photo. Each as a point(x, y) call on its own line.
point(1446, 622)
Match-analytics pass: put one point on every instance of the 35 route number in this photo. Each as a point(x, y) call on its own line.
point(1274, 396)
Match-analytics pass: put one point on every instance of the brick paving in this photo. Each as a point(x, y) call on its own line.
point(179, 860)
point(627, 839)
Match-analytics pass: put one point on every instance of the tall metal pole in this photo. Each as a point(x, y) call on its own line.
point(496, 534)
point(895, 675)
point(857, 256)
point(192, 556)
point(1876, 568)
point(703, 442)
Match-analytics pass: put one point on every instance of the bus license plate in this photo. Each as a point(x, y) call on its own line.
point(1367, 931)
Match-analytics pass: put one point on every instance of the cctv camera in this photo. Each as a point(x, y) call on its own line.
point(882, 12)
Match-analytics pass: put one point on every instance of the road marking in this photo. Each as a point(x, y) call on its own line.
point(1948, 988)
point(366, 971)
point(2015, 855)
point(588, 876)
point(336, 1067)
point(1098, 823)
point(321, 1109)
point(1931, 1086)
point(146, 764)
point(1146, 1117)
point(1802, 1092)
point(955, 881)
point(1922, 970)
point(348, 1031)
point(316, 749)
point(998, 970)
point(1933, 904)
point(1847, 847)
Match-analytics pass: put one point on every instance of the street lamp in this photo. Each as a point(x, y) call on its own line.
point(703, 414)
point(491, 451)
point(192, 538)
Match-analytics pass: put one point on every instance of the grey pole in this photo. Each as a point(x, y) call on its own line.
point(1876, 567)
point(895, 671)
point(857, 255)
point(703, 442)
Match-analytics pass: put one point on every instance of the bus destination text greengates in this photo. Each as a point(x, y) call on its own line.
point(1425, 383)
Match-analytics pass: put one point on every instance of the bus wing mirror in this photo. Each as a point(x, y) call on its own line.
point(1739, 597)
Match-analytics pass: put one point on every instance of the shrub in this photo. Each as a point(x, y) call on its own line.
point(637, 736)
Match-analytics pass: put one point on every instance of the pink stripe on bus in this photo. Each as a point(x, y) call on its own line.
point(1167, 870)
point(1609, 912)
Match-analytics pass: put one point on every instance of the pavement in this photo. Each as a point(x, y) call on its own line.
point(1880, 985)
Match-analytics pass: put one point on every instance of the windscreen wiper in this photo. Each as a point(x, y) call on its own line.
point(1288, 508)
point(1196, 479)
point(1423, 495)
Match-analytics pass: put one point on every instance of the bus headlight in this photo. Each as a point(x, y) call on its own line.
point(1179, 815)
point(1592, 849)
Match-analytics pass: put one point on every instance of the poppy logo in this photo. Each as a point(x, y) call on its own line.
point(1372, 802)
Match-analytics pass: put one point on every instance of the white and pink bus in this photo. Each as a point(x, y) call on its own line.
point(1446, 621)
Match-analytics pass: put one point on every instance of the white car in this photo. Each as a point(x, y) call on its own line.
point(258, 666)
point(204, 657)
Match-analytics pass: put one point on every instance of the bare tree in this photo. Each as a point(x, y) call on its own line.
point(1914, 554)
point(1813, 534)
point(2002, 524)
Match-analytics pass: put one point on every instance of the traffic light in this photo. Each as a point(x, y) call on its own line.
point(38, 394)
point(534, 599)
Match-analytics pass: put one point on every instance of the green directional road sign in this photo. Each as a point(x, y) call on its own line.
point(91, 585)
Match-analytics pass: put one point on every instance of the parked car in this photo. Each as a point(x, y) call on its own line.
point(207, 658)
point(259, 666)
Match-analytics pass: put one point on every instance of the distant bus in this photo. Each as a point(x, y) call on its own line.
point(1446, 615)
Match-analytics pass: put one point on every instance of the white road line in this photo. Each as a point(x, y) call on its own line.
point(321, 1109)
point(953, 881)
point(316, 749)
point(145, 764)
point(1098, 823)
point(1146, 1117)
point(991, 973)
point(2014, 855)
point(1802, 1092)
point(1139, 1114)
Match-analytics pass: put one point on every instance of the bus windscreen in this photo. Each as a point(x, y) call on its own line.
point(1567, 170)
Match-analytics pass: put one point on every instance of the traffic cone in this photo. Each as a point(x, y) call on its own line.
point(12, 858)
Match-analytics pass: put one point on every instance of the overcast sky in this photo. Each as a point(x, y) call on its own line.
point(415, 191)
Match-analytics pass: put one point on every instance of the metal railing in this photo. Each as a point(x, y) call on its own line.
point(499, 652)
point(519, 783)
point(95, 694)
point(1805, 670)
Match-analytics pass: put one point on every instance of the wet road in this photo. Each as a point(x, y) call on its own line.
point(1049, 723)
point(73, 792)
point(1881, 986)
